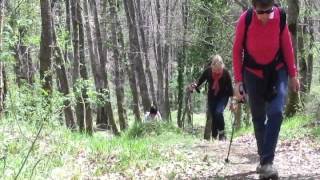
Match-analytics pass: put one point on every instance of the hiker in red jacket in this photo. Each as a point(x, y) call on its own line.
point(219, 90)
point(263, 61)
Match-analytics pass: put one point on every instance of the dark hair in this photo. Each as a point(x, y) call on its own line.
point(153, 110)
point(263, 3)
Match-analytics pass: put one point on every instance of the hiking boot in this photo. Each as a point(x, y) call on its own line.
point(267, 171)
point(221, 135)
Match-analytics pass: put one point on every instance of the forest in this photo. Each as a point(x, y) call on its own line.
point(77, 78)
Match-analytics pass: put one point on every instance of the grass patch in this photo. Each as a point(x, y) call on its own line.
point(61, 154)
point(295, 127)
point(316, 132)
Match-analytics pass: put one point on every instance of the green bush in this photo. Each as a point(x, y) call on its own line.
point(139, 130)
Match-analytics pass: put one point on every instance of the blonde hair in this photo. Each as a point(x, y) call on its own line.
point(216, 60)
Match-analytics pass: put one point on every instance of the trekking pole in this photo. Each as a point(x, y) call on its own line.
point(233, 124)
point(232, 132)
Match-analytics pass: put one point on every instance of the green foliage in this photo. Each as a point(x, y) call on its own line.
point(295, 127)
point(316, 132)
point(60, 153)
point(140, 130)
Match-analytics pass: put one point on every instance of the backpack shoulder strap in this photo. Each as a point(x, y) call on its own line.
point(247, 23)
point(249, 17)
point(283, 19)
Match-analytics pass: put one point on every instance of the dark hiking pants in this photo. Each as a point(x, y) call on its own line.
point(216, 107)
point(266, 116)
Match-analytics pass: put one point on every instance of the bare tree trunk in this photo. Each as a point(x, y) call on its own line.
point(145, 44)
point(310, 6)
point(84, 75)
point(64, 87)
point(76, 64)
point(2, 69)
point(68, 38)
point(24, 67)
point(293, 13)
point(95, 65)
point(45, 46)
point(303, 63)
point(181, 61)
point(125, 67)
point(168, 34)
point(135, 53)
point(310, 55)
point(102, 113)
point(117, 64)
point(103, 62)
point(159, 57)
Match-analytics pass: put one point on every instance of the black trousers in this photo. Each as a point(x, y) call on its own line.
point(216, 107)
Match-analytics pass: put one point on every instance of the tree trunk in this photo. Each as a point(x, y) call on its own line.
point(303, 61)
point(95, 65)
point(117, 65)
point(103, 62)
point(68, 39)
point(102, 113)
point(181, 61)
point(2, 69)
point(168, 39)
point(45, 46)
point(293, 13)
point(64, 87)
point(310, 55)
point(24, 67)
point(130, 73)
point(159, 57)
point(135, 55)
point(84, 75)
point(76, 64)
point(145, 46)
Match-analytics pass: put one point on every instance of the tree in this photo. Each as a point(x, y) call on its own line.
point(46, 46)
point(103, 63)
point(145, 46)
point(135, 55)
point(293, 13)
point(130, 73)
point(64, 86)
point(85, 104)
point(159, 60)
point(181, 60)
point(83, 111)
point(117, 65)
point(2, 69)
point(96, 69)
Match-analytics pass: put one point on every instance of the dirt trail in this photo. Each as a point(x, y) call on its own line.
point(295, 159)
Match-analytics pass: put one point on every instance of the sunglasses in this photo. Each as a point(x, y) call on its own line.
point(268, 11)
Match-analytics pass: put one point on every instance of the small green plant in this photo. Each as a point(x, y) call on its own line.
point(139, 130)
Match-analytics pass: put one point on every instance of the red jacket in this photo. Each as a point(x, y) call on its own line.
point(262, 44)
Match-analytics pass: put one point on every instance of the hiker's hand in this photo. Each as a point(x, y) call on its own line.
point(239, 95)
point(192, 87)
point(295, 84)
point(233, 106)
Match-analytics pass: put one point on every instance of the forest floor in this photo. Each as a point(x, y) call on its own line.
point(295, 159)
point(165, 152)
